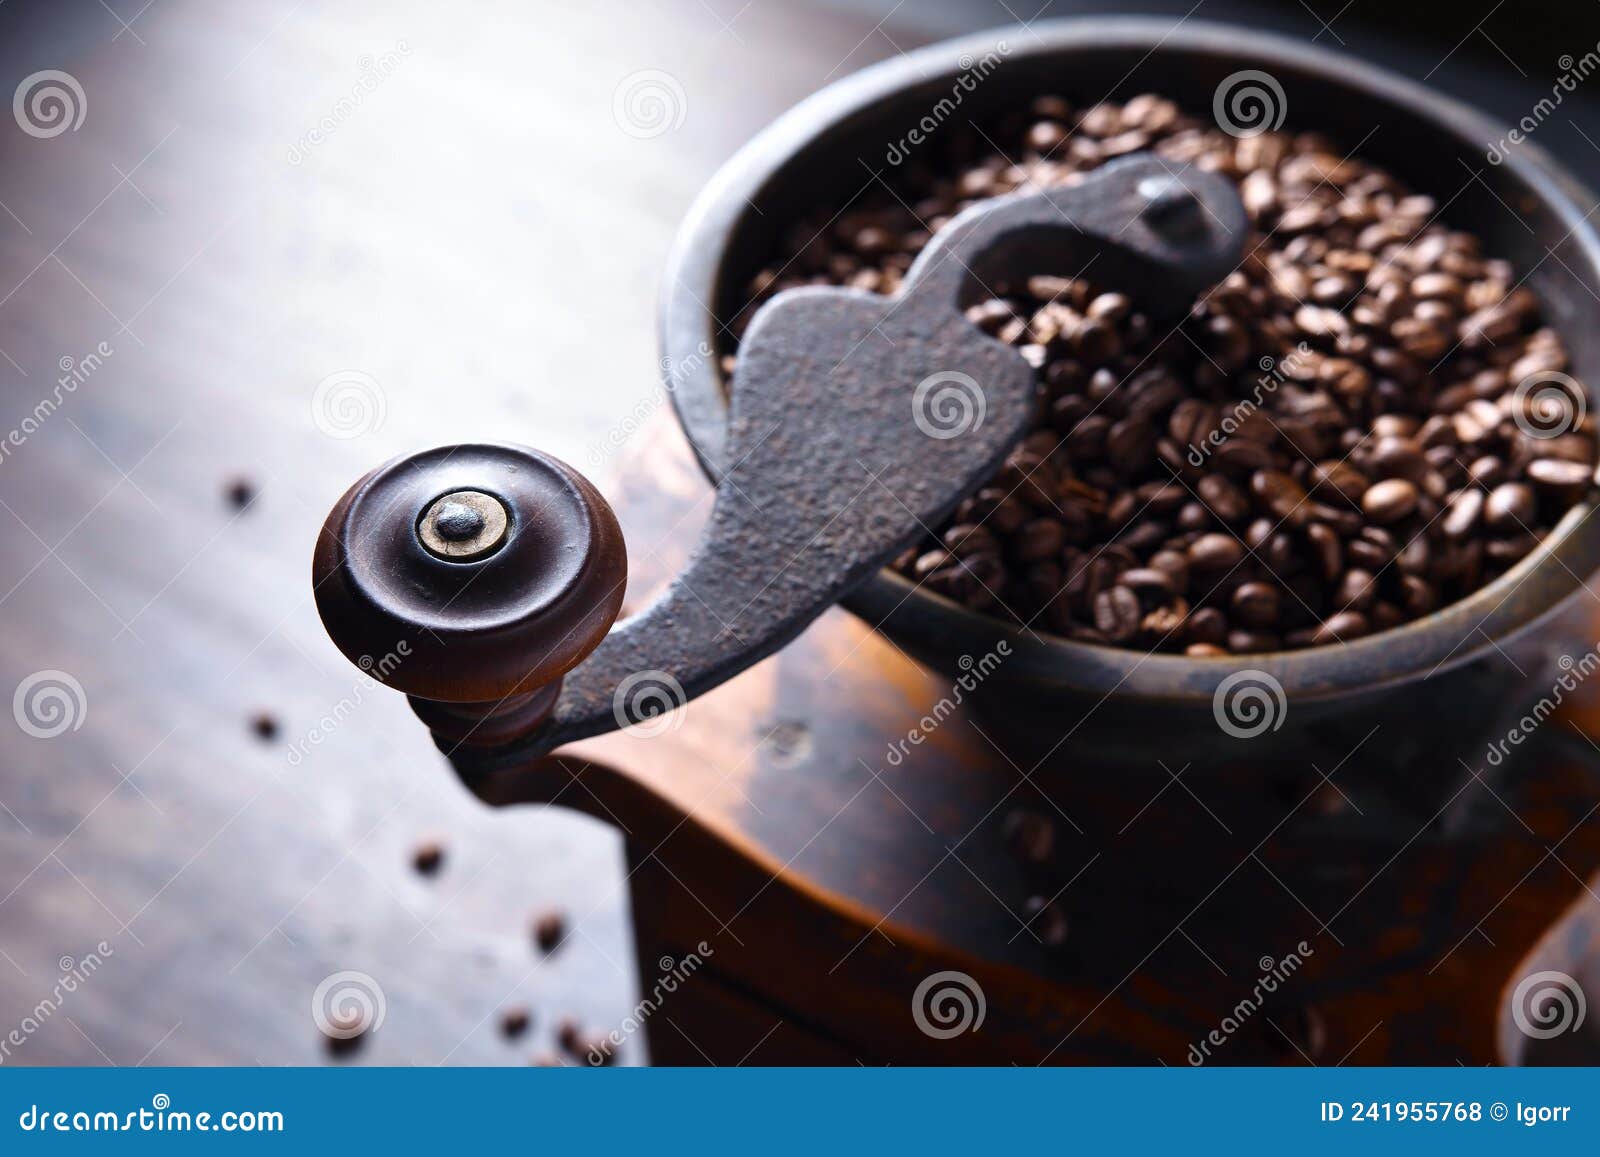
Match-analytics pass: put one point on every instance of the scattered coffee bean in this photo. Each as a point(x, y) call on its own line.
point(265, 726)
point(595, 1049)
point(549, 929)
point(515, 1020)
point(427, 857)
point(1331, 446)
point(568, 1033)
point(342, 1046)
point(240, 492)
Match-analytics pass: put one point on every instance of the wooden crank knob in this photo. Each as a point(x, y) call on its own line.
point(472, 578)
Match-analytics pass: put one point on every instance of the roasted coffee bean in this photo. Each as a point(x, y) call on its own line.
point(1559, 475)
point(427, 857)
point(1242, 456)
point(1279, 494)
point(1117, 613)
point(1213, 553)
point(240, 492)
point(1510, 506)
point(515, 1020)
point(1356, 590)
point(969, 538)
point(1256, 605)
point(1149, 583)
point(1417, 596)
point(1163, 622)
point(1328, 552)
point(1416, 556)
point(1175, 565)
point(1462, 513)
point(1390, 500)
point(1339, 478)
point(1341, 628)
point(1039, 539)
point(1223, 498)
point(549, 929)
point(1207, 626)
point(1343, 404)
point(930, 561)
point(568, 1033)
point(1487, 471)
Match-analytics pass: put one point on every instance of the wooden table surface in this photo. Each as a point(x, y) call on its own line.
point(477, 235)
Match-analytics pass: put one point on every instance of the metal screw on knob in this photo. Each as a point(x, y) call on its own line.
point(463, 525)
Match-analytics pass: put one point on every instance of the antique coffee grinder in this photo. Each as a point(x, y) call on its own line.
point(1413, 887)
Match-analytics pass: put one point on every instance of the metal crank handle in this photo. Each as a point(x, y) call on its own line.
point(483, 580)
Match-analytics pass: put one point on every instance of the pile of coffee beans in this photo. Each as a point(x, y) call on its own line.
point(1364, 422)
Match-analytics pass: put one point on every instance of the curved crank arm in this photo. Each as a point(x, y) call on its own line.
point(857, 422)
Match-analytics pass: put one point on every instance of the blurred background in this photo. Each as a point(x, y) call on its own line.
point(285, 242)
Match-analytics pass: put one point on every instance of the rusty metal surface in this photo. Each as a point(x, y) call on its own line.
point(858, 421)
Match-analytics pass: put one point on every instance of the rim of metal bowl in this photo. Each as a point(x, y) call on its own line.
point(1516, 601)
